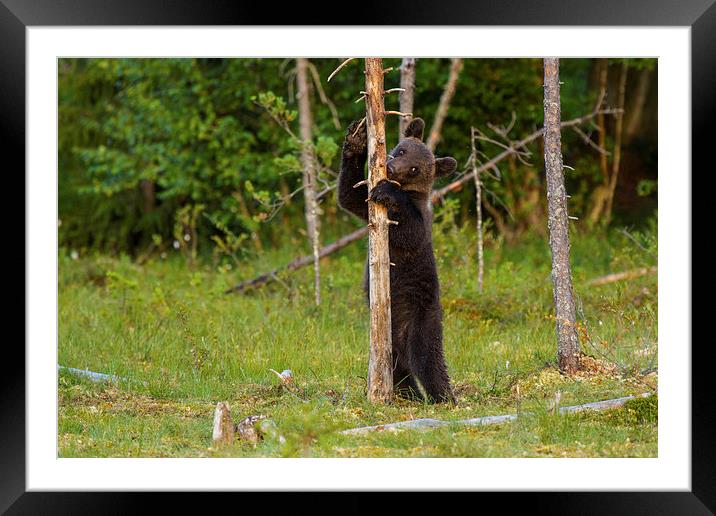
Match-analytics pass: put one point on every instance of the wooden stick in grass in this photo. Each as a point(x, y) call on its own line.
point(380, 370)
point(621, 276)
point(223, 432)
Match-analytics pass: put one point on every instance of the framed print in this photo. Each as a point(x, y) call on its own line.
point(195, 315)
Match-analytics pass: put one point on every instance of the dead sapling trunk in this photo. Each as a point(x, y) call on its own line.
point(558, 224)
point(478, 205)
point(407, 96)
point(445, 100)
point(599, 195)
point(308, 163)
point(616, 158)
point(380, 366)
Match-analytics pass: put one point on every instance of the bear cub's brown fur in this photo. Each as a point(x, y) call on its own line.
point(416, 313)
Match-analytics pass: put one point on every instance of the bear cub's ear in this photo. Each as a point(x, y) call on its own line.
point(415, 129)
point(444, 166)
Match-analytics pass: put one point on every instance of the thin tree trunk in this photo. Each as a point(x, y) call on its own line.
point(558, 223)
point(380, 367)
point(308, 162)
point(616, 160)
point(407, 82)
point(599, 195)
point(636, 108)
point(445, 100)
point(478, 204)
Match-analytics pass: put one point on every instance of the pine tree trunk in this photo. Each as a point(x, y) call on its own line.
point(558, 223)
point(308, 162)
point(380, 370)
point(445, 100)
point(407, 82)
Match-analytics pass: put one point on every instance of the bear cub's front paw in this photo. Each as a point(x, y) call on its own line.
point(384, 193)
point(356, 142)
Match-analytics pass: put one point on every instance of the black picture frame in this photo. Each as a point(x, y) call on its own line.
point(17, 15)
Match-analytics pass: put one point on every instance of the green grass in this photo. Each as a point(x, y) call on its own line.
point(185, 345)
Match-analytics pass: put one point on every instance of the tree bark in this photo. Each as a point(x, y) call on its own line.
point(308, 162)
point(616, 159)
point(380, 370)
point(407, 82)
point(445, 100)
point(558, 223)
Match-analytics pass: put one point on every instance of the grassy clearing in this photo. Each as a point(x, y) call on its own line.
point(170, 325)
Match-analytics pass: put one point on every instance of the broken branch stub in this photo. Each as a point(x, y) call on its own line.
point(223, 432)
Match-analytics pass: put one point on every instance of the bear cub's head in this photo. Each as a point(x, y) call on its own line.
point(412, 164)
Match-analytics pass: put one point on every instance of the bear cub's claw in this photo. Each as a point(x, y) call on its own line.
point(383, 193)
point(356, 142)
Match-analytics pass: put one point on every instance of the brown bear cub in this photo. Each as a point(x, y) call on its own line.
point(416, 313)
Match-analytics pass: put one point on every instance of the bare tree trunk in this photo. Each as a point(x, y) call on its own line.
point(599, 195)
point(308, 163)
point(567, 342)
point(478, 204)
point(407, 82)
point(445, 100)
point(380, 367)
point(616, 160)
point(636, 107)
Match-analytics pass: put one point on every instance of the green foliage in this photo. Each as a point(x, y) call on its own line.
point(139, 139)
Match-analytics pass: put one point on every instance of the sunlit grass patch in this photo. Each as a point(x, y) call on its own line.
point(181, 345)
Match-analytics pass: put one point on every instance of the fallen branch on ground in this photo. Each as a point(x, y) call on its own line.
point(488, 420)
point(620, 276)
point(299, 262)
point(96, 377)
